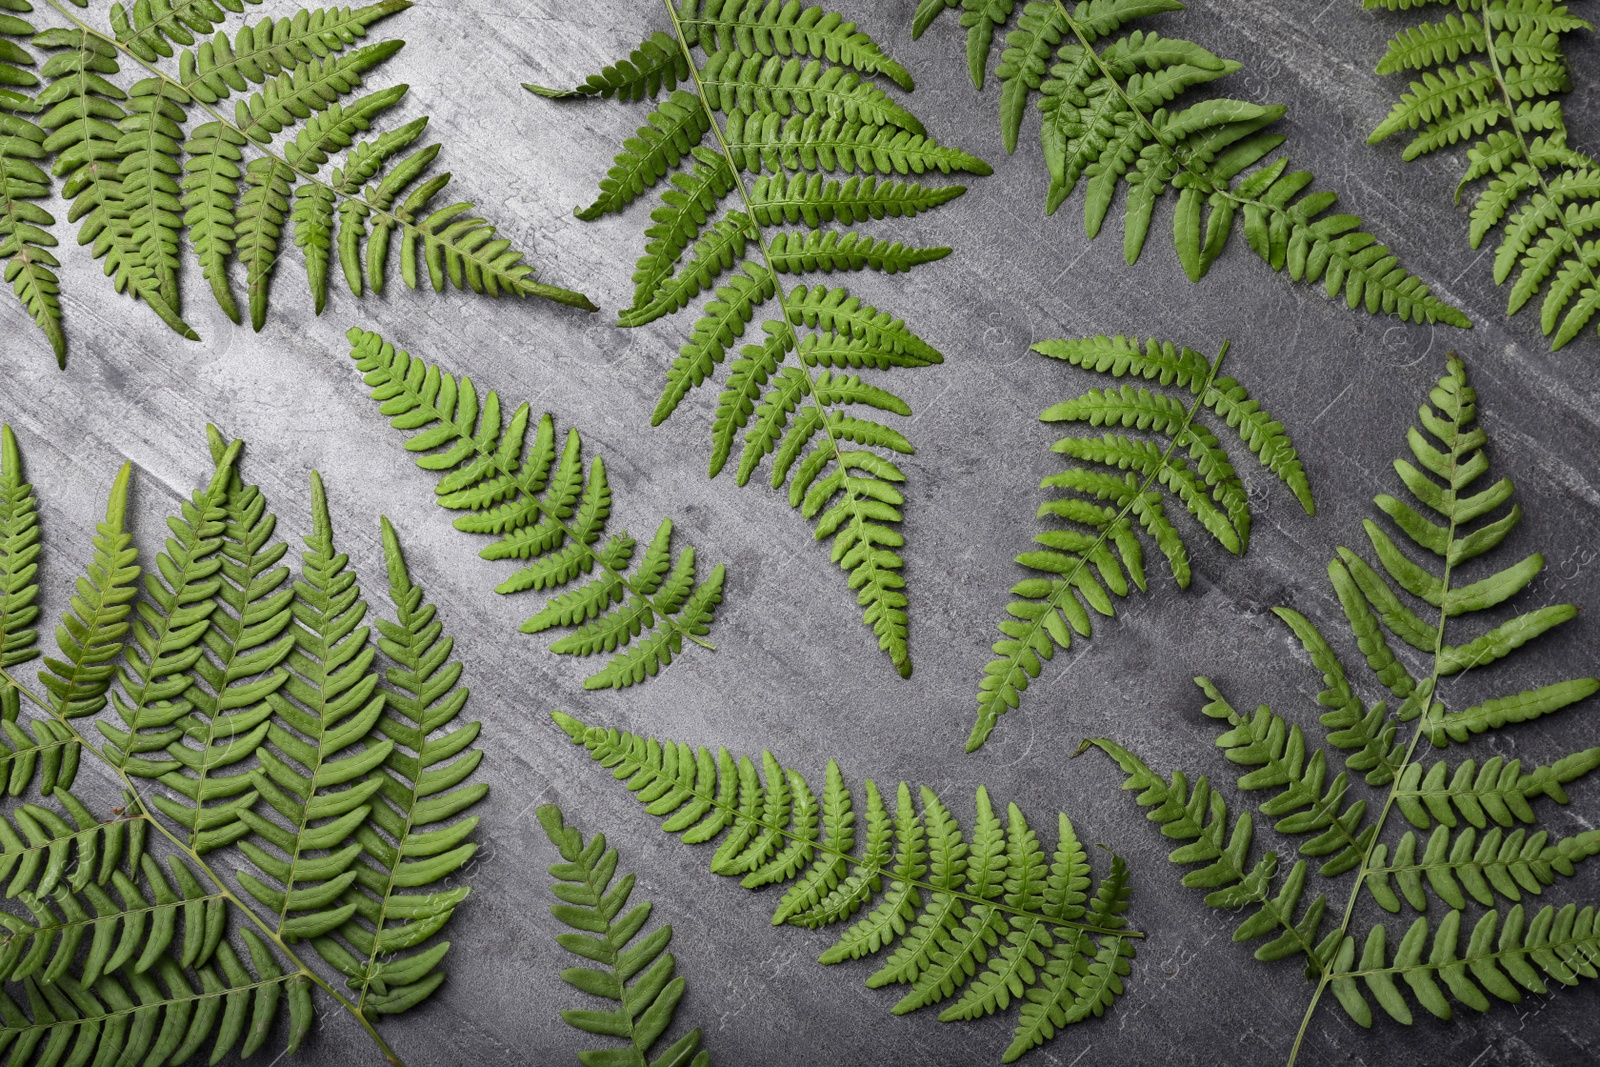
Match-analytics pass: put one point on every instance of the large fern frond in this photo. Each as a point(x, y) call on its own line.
point(1110, 117)
point(1491, 77)
point(248, 706)
point(536, 498)
point(146, 163)
point(1465, 849)
point(777, 99)
point(637, 976)
point(1114, 487)
point(985, 918)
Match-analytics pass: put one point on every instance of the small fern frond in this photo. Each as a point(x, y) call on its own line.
point(1110, 117)
point(1115, 489)
point(638, 974)
point(145, 164)
point(1491, 78)
point(536, 499)
point(1475, 840)
point(776, 98)
point(978, 917)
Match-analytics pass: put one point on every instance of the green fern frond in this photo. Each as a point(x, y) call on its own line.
point(1491, 78)
point(1114, 489)
point(535, 498)
point(257, 707)
point(781, 121)
point(1110, 117)
point(1474, 840)
point(638, 975)
point(144, 165)
point(978, 915)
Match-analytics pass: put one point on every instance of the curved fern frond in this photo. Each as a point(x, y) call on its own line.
point(1475, 840)
point(1491, 78)
point(986, 915)
point(411, 837)
point(789, 95)
point(535, 497)
point(638, 975)
point(258, 706)
point(1110, 117)
point(144, 165)
point(1114, 490)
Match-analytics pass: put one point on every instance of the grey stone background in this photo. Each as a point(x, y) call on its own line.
point(796, 672)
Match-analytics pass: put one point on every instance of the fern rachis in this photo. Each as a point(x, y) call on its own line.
point(1462, 860)
point(985, 915)
point(1117, 482)
point(1104, 123)
point(788, 95)
point(246, 176)
point(194, 669)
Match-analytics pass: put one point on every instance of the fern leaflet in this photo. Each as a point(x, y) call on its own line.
point(1108, 119)
point(534, 496)
point(250, 715)
point(1451, 858)
point(1491, 76)
point(145, 164)
point(638, 975)
point(1114, 489)
point(777, 98)
point(987, 916)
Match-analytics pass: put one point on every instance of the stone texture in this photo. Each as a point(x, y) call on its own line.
point(796, 672)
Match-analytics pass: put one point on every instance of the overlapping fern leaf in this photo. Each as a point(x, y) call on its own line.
point(780, 140)
point(1110, 117)
point(1491, 75)
point(1114, 491)
point(636, 975)
point(980, 919)
point(535, 497)
point(227, 139)
point(248, 717)
point(1474, 844)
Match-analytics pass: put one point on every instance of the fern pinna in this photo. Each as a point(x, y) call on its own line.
point(249, 715)
point(638, 976)
point(535, 497)
point(1491, 73)
point(988, 916)
point(225, 139)
point(1105, 122)
point(1113, 490)
point(1473, 836)
point(779, 97)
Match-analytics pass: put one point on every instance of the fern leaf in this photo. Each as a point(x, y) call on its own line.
point(518, 490)
point(1118, 480)
point(946, 899)
point(1492, 80)
point(638, 976)
point(1112, 113)
point(790, 92)
point(1475, 840)
point(25, 237)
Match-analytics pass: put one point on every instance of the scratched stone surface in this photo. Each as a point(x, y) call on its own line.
point(795, 671)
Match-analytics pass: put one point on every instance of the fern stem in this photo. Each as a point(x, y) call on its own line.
point(492, 454)
point(568, 297)
point(222, 888)
point(987, 720)
point(1572, 239)
point(1424, 714)
point(851, 496)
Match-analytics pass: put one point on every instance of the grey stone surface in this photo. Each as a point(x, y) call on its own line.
point(796, 672)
